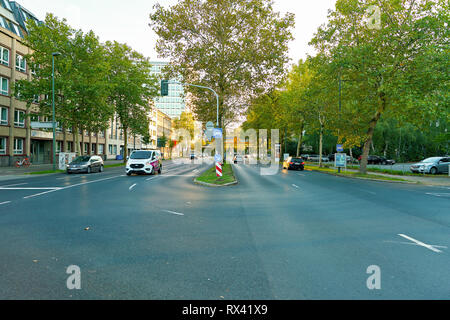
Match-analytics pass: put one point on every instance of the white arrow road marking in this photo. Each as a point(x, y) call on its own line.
point(6, 202)
point(430, 247)
point(131, 188)
point(173, 212)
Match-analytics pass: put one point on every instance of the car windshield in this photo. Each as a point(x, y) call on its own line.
point(430, 160)
point(297, 159)
point(81, 159)
point(141, 155)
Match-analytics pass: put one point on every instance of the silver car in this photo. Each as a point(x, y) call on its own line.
point(86, 164)
point(433, 165)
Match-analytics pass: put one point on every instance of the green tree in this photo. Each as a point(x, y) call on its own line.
point(80, 75)
point(132, 88)
point(386, 70)
point(186, 122)
point(237, 47)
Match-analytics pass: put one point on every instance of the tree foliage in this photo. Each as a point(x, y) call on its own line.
point(236, 47)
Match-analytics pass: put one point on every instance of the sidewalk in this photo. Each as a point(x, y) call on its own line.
point(13, 171)
point(429, 180)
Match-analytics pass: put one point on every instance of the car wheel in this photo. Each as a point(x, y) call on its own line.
point(68, 172)
point(433, 170)
point(128, 173)
point(160, 170)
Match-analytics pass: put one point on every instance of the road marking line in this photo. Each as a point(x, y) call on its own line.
point(50, 188)
point(39, 194)
point(368, 191)
point(414, 244)
point(72, 186)
point(131, 188)
point(173, 212)
point(6, 202)
point(430, 247)
point(14, 185)
point(296, 186)
point(439, 194)
point(301, 174)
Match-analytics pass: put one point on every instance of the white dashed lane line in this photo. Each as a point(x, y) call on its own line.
point(6, 202)
point(173, 212)
point(131, 188)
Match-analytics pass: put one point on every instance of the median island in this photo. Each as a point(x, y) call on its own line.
point(209, 177)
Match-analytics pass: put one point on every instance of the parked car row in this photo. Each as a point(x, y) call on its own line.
point(378, 160)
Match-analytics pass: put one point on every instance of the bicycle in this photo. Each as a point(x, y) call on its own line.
point(23, 163)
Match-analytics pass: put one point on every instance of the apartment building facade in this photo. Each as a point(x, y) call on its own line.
point(17, 138)
point(174, 104)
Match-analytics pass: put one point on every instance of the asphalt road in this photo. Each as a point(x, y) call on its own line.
point(295, 235)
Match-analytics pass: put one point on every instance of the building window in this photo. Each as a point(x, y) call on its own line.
point(86, 148)
point(59, 146)
point(93, 148)
point(3, 116)
point(21, 63)
point(69, 146)
point(4, 56)
point(4, 86)
point(36, 98)
point(19, 118)
point(18, 146)
point(101, 148)
point(2, 145)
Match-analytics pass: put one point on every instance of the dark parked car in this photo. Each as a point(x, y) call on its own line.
point(433, 165)
point(294, 164)
point(86, 164)
point(378, 160)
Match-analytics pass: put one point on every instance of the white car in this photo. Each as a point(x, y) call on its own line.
point(144, 162)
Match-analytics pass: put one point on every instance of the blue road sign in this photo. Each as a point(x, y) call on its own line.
point(218, 133)
point(218, 158)
point(340, 148)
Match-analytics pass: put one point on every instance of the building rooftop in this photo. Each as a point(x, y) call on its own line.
point(13, 17)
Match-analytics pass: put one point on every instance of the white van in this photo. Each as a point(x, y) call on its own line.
point(144, 162)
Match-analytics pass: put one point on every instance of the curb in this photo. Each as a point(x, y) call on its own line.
point(368, 179)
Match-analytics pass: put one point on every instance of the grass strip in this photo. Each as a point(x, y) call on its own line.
point(355, 174)
point(209, 176)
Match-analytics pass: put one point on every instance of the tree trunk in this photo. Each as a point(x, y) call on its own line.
point(76, 139)
point(370, 132)
point(125, 145)
point(300, 140)
point(320, 146)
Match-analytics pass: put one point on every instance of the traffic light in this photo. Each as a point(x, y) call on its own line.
point(164, 88)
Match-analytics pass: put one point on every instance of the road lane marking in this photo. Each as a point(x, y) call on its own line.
point(296, 186)
point(413, 244)
point(131, 188)
point(45, 188)
point(72, 186)
point(301, 174)
point(368, 191)
point(14, 185)
point(173, 212)
point(439, 194)
point(430, 247)
point(6, 202)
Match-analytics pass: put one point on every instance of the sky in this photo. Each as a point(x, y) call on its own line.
point(127, 21)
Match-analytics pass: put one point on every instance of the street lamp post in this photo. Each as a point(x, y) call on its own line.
point(54, 54)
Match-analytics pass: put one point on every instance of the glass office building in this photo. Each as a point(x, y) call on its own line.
point(173, 105)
